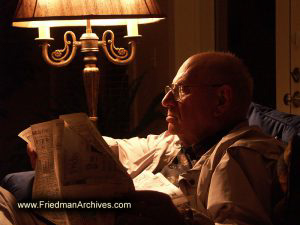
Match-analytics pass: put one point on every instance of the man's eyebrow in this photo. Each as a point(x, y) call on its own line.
point(176, 84)
point(179, 82)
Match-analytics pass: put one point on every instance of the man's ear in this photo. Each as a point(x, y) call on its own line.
point(224, 100)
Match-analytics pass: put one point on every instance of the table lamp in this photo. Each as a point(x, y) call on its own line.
point(44, 14)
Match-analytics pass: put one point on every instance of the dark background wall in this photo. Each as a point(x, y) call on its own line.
point(251, 36)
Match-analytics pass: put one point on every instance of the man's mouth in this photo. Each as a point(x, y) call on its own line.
point(171, 118)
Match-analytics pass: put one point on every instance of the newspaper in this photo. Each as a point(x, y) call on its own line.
point(47, 139)
point(71, 157)
point(75, 163)
point(157, 182)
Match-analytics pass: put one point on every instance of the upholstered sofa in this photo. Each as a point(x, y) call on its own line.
point(281, 125)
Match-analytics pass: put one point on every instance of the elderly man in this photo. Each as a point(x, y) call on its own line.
point(222, 165)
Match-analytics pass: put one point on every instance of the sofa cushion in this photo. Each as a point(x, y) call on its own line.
point(19, 184)
point(281, 125)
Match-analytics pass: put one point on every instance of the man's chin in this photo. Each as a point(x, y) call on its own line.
point(172, 129)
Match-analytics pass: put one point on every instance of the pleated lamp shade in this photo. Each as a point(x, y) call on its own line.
point(56, 13)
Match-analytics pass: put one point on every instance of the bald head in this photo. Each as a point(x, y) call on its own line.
point(221, 68)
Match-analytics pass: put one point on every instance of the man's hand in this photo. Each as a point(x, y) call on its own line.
point(32, 155)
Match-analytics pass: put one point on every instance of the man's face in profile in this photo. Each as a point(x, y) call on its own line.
point(190, 115)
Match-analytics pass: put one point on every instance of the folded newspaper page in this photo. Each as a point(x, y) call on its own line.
point(47, 139)
point(74, 162)
point(157, 182)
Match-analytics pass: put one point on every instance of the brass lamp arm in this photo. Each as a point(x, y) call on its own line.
point(116, 55)
point(59, 57)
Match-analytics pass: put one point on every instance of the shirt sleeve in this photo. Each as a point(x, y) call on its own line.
point(240, 189)
point(137, 153)
point(7, 212)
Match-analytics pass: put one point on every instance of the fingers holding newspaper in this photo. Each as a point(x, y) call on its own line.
point(32, 155)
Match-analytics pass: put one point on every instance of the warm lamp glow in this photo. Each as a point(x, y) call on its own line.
point(74, 23)
point(132, 28)
point(132, 24)
point(44, 32)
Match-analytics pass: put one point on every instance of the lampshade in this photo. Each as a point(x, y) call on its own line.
point(55, 13)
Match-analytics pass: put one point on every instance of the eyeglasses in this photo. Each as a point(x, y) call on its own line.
point(179, 92)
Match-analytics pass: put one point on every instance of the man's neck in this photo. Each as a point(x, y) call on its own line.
point(204, 144)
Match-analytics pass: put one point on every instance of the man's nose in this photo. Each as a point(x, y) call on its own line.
point(168, 100)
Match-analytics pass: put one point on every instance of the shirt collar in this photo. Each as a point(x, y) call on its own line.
point(195, 151)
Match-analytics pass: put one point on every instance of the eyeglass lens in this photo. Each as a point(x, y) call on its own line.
point(174, 90)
